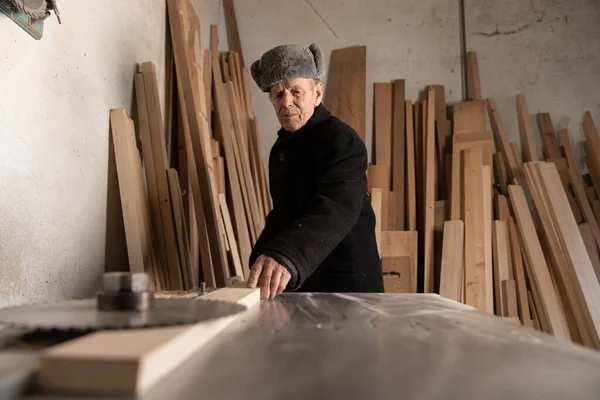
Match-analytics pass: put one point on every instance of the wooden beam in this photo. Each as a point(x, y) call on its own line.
point(588, 215)
point(501, 269)
point(469, 117)
point(347, 87)
point(501, 139)
point(376, 204)
point(382, 123)
point(487, 237)
point(135, 360)
point(397, 274)
point(181, 230)
point(398, 155)
point(569, 151)
point(404, 244)
point(525, 130)
point(451, 274)
point(509, 298)
point(379, 177)
point(234, 34)
point(590, 245)
point(241, 268)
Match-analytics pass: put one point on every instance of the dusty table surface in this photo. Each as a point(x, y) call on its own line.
point(365, 346)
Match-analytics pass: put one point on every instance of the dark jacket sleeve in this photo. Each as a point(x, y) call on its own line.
point(342, 185)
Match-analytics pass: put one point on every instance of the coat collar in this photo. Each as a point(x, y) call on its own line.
point(321, 114)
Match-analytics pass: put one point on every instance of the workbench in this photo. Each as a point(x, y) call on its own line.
point(364, 346)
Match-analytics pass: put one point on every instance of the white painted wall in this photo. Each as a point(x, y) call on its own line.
point(55, 97)
point(548, 50)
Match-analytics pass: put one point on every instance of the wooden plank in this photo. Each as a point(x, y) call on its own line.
point(501, 269)
point(243, 164)
point(429, 194)
point(240, 268)
point(502, 209)
point(440, 102)
point(460, 142)
point(451, 276)
point(214, 42)
point(472, 202)
point(474, 83)
point(551, 149)
point(501, 139)
point(261, 169)
point(398, 155)
point(487, 237)
point(590, 245)
point(411, 205)
point(382, 123)
point(126, 156)
point(469, 117)
point(379, 177)
point(135, 360)
point(205, 199)
point(519, 273)
point(347, 87)
point(591, 133)
point(588, 215)
point(232, 28)
point(159, 152)
point(180, 229)
point(583, 289)
point(537, 269)
point(515, 150)
point(444, 148)
point(223, 114)
point(509, 298)
point(376, 204)
point(535, 318)
point(569, 151)
point(403, 244)
point(525, 130)
point(593, 164)
point(397, 274)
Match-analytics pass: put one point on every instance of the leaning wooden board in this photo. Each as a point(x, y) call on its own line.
point(132, 361)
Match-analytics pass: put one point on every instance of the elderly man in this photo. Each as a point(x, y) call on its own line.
point(320, 235)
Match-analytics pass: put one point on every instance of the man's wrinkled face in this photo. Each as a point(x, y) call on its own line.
point(295, 101)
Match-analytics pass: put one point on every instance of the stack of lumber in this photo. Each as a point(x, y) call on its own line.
point(516, 236)
point(199, 210)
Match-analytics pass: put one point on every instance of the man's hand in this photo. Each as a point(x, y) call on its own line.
point(271, 277)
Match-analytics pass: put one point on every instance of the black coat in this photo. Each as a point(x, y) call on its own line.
point(322, 225)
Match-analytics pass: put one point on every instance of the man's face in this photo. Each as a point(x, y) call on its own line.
point(295, 101)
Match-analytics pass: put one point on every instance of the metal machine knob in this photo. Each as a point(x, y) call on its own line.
point(124, 291)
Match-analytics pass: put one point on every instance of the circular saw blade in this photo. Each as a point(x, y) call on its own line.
point(82, 315)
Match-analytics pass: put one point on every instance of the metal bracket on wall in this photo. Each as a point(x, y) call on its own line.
point(31, 21)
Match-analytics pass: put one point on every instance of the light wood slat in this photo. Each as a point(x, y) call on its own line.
point(525, 129)
point(546, 129)
point(537, 270)
point(125, 149)
point(214, 42)
point(519, 273)
point(241, 155)
point(474, 83)
point(398, 155)
point(444, 150)
point(232, 28)
point(411, 205)
point(590, 245)
point(159, 152)
point(588, 215)
point(502, 208)
point(263, 180)
point(347, 87)
point(501, 269)
point(469, 117)
point(429, 193)
point(515, 150)
point(583, 289)
point(205, 200)
point(472, 202)
point(382, 114)
point(569, 151)
point(397, 274)
point(241, 269)
point(509, 298)
point(135, 360)
point(180, 229)
point(501, 139)
point(534, 315)
point(451, 274)
point(149, 169)
point(488, 217)
point(379, 177)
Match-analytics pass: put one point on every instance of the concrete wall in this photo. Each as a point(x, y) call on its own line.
point(547, 49)
point(59, 208)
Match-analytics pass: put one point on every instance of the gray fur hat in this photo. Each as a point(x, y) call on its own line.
point(288, 61)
